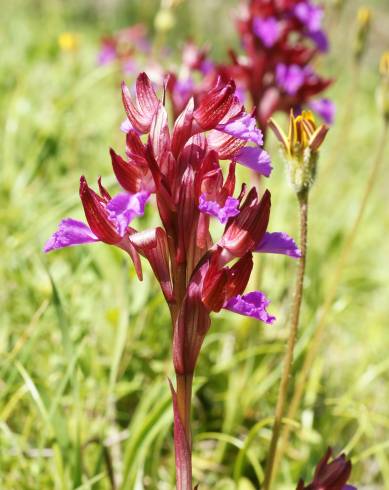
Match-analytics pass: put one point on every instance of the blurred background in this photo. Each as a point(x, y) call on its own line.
point(85, 347)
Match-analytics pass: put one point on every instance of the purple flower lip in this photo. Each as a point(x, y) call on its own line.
point(70, 232)
point(107, 54)
point(244, 127)
point(255, 158)
point(222, 213)
point(291, 77)
point(267, 30)
point(252, 304)
point(311, 17)
point(121, 210)
point(279, 243)
point(124, 207)
point(325, 108)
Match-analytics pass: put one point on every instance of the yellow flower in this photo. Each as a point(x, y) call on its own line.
point(383, 88)
point(301, 147)
point(164, 20)
point(69, 41)
point(384, 65)
point(364, 16)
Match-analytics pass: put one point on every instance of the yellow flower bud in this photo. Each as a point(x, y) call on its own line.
point(164, 20)
point(364, 17)
point(301, 148)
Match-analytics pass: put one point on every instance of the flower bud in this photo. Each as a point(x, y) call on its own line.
point(164, 20)
point(363, 29)
point(301, 148)
point(383, 88)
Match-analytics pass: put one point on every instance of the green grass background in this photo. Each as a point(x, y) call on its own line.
point(85, 348)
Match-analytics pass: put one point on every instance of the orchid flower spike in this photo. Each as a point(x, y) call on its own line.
point(182, 169)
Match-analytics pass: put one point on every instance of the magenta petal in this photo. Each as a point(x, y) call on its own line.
point(222, 213)
point(252, 304)
point(325, 108)
point(320, 39)
point(107, 54)
point(279, 243)
point(244, 127)
point(267, 30)
point(290, 77)
point(255, 158)
point(70, 232)
point(124, 207)
point(183, 91)
point(310, 15)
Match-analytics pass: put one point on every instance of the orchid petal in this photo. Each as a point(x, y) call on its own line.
point(243, 127)
point(252, 304)
point(279, 243)
point(124, 207)
point(70, 232)
point(268, 30)
point(310, 15)
point(222, 213)
point(290, 77)
point(255, 158)
point(325, 108)
point(320, 39)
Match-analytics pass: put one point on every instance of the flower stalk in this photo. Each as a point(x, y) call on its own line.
point(293, 329)
point(300, 148)
point(330, 297)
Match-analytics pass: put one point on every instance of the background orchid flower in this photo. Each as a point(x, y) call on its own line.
point(274, 72)
point(124, 47)
point(330, 476)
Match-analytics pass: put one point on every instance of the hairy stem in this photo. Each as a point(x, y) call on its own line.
point(294, 321)
point(345, 253)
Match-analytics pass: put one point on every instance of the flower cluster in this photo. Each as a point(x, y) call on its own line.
point(330, 476)
point(280, 39)
point(191, 79)
point(125, 47)
point(181, 169)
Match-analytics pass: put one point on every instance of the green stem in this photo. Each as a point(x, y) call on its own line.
point(317, 337)
point(294, 321)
